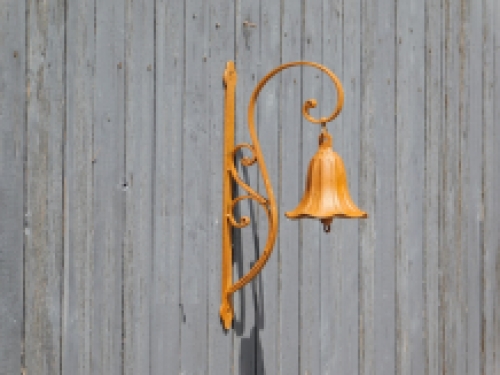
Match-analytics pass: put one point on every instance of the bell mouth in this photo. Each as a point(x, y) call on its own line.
point(292, 215)
point(326, 221)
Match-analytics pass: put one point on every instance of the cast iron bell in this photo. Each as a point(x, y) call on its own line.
point(326, 195)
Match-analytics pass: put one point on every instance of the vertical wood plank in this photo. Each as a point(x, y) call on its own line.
point(167, 313)
point(462, 259)
point(44, 186)
point(266, 287)
point(334, 347)
point(12, 136)
point(377, 188)
point(246, 241)
point(492, 155)
point(109, 188)
point(290, 190)
point(410, 110)
point(491, 186)
point(471, 180)
point(452, 319)
point(194, 275)
point(221, 26)
point(384, 129)
point(80, 158)
point(310, 306)
point(139, 164)
point(432, 193)
point(349, 149)
point(366, 183)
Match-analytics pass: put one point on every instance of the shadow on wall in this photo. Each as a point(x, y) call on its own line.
point(251, 354)
point(251, 345)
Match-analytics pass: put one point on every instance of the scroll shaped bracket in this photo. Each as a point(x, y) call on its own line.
point(230, 175)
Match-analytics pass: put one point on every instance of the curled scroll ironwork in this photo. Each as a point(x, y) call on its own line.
point(246, 161)
point(269, 204)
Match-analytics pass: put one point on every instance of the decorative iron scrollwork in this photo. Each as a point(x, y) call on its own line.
point(269, 203)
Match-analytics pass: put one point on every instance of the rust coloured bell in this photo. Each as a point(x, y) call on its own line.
point(326, 194)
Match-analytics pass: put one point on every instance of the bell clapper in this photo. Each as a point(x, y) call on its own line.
point(327, 224)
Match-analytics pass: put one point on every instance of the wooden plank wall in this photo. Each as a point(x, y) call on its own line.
point(111, 117)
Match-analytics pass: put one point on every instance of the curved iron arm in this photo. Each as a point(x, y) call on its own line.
point(268, 204)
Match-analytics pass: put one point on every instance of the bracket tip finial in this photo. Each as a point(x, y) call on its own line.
point(226, 314)
point(229, 72)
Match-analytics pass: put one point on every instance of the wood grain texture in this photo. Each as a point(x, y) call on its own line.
point(44, 186)
point(340, 248)
point(266, 287)
point(110, 186)
point(12, 182)
point(195, 198)
point(378, 191)
point(471, 149)
point(434, 113)
point(167, 314)
point(79, 160)
point(491, 185)
point(368, 168)
point(385, 218)
point(139, 175)
point(410, 163)
point(452, 285)
point(290, 189)
point(492, 178)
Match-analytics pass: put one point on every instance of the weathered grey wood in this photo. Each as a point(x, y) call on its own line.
point(491, 187)
point(195, 149)
point(471, 149)
point(79, 159)
point(341, 49)
point(432, 194)
point(384, 216)
point(139, 174)
point(266, 287)
point(44, 186)
point(372, 106)
point(221, 26)
point(330, 248)
point(310, 307)
point(410, 163)
point(452, 297)
point(491, 206)
point(333, 346)
point(110, 185)
point(289, 190)
point(366, 192)
point(349, 147)
point(167, 313)
point(246, 241)
point(462, 283)
point(112, 131)
point(12, 183)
